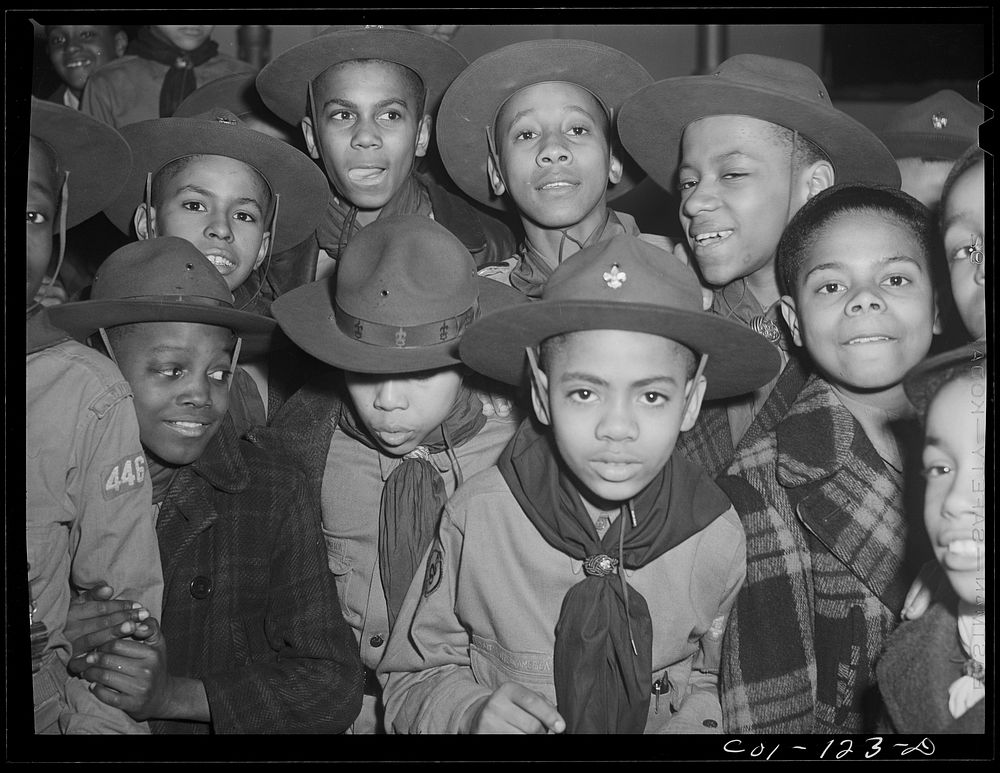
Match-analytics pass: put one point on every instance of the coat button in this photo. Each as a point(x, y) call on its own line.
point(710, 723)
point(376, 640)
point(201, 587)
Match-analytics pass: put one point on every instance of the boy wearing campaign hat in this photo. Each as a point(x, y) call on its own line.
point(236, 194)
point(257, 643)
point(583, 583)
point(365, 98)
point(926, 137)
point(530, 127)
point(88, 499)
point(744, 147)
point(387, 440)
point(932, 675)
point(823, 495)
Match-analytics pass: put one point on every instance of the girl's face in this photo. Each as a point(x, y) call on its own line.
point(965, 247)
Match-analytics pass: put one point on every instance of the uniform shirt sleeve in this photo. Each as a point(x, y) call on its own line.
point(426, 673)
point(100, 98)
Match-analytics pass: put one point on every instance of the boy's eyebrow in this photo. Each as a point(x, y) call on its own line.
point(566, 109)
point(889, 259)
point(211, 195)
point(956, 217)
point(354, 105)
point(598, 381)
point(720, 157)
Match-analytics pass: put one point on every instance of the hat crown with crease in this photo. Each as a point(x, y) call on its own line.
point(166, 266)
point(942, 125)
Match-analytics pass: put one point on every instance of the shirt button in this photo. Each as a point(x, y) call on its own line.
point(376, 640)
point(201, 587)
point(710, 723)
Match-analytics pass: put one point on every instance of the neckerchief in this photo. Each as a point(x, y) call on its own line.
point(337, 229)
point(179, 81)
point(414, 494)
point(970, 688)
point(533, 269)
point(602, 684)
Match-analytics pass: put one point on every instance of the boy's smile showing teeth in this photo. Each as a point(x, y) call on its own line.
point(224, 264)
point(708, 238)
point(870, 339)
point(188, 428)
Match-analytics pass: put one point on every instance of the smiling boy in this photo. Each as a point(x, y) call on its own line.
point(821, 496)
point(365, 98)
point(256, 639)
point(530, 127)
point(542, 606)
point(744, 148)
point(383, 451)
point(163, 65)
point(76, 51)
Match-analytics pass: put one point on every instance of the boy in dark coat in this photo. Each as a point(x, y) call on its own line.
point(257, 643)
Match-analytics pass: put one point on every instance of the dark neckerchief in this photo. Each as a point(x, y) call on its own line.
point(340, 225)
point(414, 494)
point(602, 685)
point(533, 269)
point(179, 81)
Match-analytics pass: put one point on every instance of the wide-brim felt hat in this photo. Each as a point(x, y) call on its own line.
point(942, 125)
point(300, 183)
point(283, 82)
point(406, 290)
point(924, 380)
point(652, 121)
point(96, 156)
point(471, 103)
point(624, 283)
point(165, 279)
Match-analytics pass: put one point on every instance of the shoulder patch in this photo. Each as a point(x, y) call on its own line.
point(434, 570)
point(126, 474)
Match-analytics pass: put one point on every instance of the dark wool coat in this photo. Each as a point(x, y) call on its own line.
point(922, 660)
point(249, 605)
point(828, 566)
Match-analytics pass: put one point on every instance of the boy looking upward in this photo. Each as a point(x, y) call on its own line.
point(830, 554)
point(542, 605)
point(365, 98)
point(744, 148)
point(530, 127)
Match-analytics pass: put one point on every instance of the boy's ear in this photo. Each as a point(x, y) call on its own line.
point(307, 133)
point(818, 177)
point(694, 402)
point(791, 317)
point(144, 222)
point(540, 395)
point(262, 252)
point(121, 43)
point(496, 179)
point(424, 136)
point(615, 169)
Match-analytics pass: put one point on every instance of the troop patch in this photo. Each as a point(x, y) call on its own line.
point(434, 571)
point(123, 476)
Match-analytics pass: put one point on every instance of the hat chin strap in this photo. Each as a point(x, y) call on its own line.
point(63, 207)
point(107, 344)
point(270, 249)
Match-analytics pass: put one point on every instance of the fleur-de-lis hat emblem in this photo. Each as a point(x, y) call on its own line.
point(615, 278)
point(939, 121)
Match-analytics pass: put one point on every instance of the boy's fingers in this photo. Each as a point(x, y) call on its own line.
point(539, 708)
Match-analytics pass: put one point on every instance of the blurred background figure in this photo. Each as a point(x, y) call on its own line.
point(76, 51)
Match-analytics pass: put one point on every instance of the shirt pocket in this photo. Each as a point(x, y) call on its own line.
point(493, 665)
point(338, 559)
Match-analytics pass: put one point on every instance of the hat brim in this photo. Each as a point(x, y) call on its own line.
point(926, 145)
point(925, 379)
point(282, 84)
point(96, 156)
point(306, 316)
point(739, 360)
point(472, 101)
point(83, 318)
point(652, 122)
point(299, 182)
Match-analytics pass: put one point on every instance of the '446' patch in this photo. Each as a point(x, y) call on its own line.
point(123, 476)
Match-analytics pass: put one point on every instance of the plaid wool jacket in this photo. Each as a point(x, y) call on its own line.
point(249, 605)
point(828, 567)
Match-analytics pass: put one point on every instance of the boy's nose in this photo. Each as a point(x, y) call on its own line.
point(220, 228)
point(700, 198)
point(366, 134)
point(864, 301)
point(617, 423)
point(553, 151)
point(390, 396)
point(197, 392)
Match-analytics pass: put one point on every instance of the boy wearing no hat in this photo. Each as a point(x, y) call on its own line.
point(584, 582)
point(744, 148)
point(365, 98)
point(823, 495)
point(530, 127)
point(250, 618)
point(381, 461)
point(88, 501)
